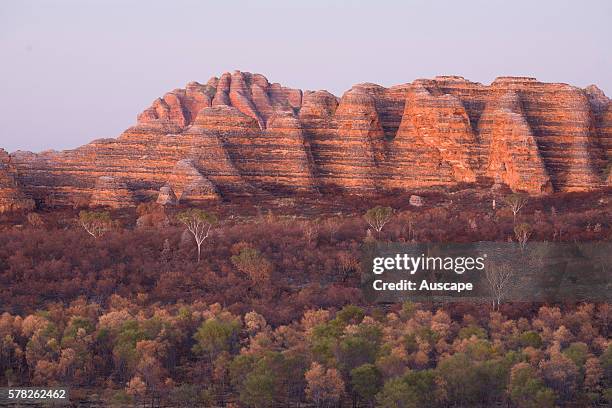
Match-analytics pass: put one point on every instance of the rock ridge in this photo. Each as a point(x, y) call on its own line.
point(240, 135)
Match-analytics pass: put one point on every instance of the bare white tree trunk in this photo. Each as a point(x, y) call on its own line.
point(200, 230)
point(499, 280)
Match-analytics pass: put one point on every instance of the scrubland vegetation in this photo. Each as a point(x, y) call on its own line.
point(269, 311)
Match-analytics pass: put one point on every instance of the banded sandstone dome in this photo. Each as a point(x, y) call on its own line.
point(241, 135)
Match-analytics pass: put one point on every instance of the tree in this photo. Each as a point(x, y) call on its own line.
point(605, 361)
point(254, 322)
point(527, 390)
point(577, 352)
point(561, 374)
point(311, 232)
point(199, 223)
point(258, 390)
point(378, 216)
point(215, 336)
point(397, 393)
point(251, 262)
point(136, 387)
point(516, 202)
point(465, 383)
point(96, 223)
point(592, 375)
point(499, 280)
point(522, 232)
point(261, 386)
point(166, 252)
point(347, 263)
point(366, 382)
point(35, 220)
point(359, 347)
point(530, 338)
point(331, 225)
point(186, 395)
point(324, 387)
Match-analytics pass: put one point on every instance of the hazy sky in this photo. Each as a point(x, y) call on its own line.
point(73, 71)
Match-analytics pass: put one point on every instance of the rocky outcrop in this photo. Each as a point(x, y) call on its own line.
point(285, 155)
point(435, 143)
point(189, 186)
point(562, 121)
point(166, 196)
point(511, 152)
point(345, 141)
point(416, 201)
point(111, 192)
point(240, 135)
point(11, 196)
point(602, 115)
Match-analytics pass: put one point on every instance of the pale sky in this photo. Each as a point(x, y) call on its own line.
point(73, 71)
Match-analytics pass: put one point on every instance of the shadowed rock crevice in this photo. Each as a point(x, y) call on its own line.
point(189, 186)
point(510, 150)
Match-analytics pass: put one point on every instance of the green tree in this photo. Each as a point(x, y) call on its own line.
point(472, 330)
point(186, 395)
point(360, 348)
point(216, 335)
point(124, 349)
point(397, 394)
point(423, 382)
point(259, 388)
point(474, 377)
point(366, 382)
point(577, 352)
point(323, 340)
point(526, 390)
point(350, 314)
point(606, 364)
point(530, 339)
point(239, 368)
point(267, 379)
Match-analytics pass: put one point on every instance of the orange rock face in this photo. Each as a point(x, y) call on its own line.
point(111, 192)
point(511, 154)
point(241, 135)
point(11, 196)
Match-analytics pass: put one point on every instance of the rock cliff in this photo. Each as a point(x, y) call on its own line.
point(11, 195)
point(240, 135)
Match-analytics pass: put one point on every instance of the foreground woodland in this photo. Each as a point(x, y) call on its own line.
point(269, 311)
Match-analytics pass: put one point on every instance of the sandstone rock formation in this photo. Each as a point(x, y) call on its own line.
point(416, 201)
point(188, 185)
point(166, 196)
point(11, 196)
point(111, 192)
point(512, 153)
point(240, 135)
